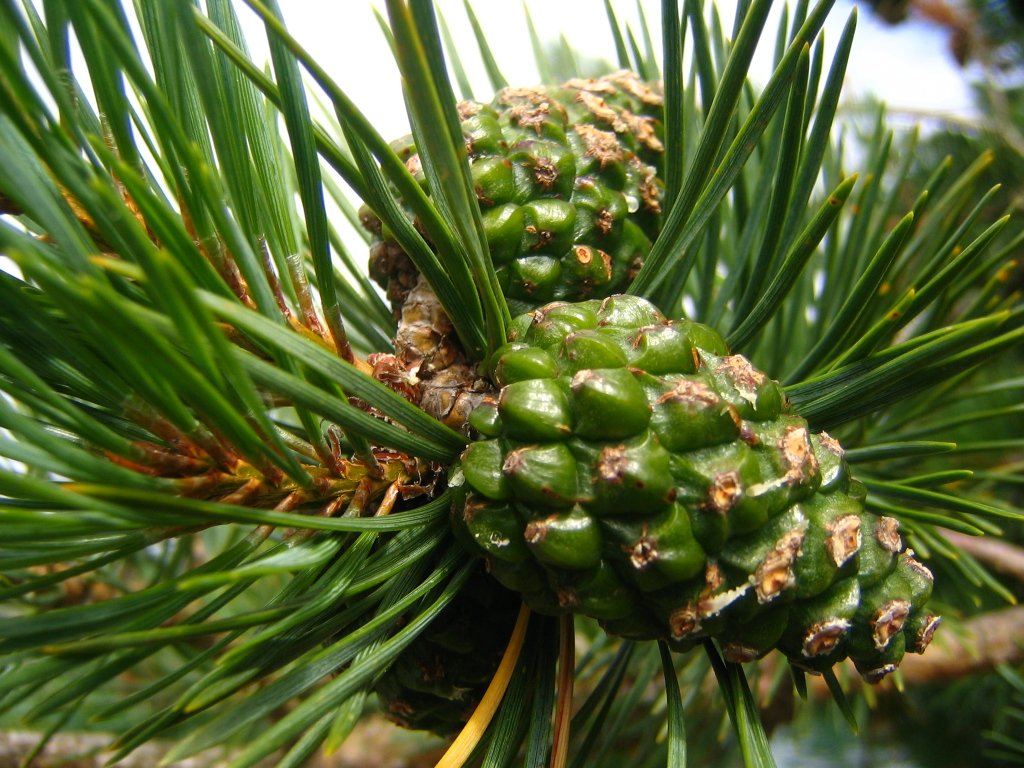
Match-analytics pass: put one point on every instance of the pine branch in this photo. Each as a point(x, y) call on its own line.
point(208, 488)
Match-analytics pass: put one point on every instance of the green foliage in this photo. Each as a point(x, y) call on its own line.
point(214, 514)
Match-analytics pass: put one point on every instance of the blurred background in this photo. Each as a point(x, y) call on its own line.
point(922, 58)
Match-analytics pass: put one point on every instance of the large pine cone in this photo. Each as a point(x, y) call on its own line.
point(633, 471)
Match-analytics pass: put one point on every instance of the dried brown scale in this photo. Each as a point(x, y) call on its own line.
point(822, 637)
point(887, 621)
point(537, 531)
point(712, 606)
point(429, 367)
point(923, 638)
point(737, 653)
point(613, 464)
point(684, 622)
point(796, 450)
point(642, 128)
point(467, 109)
point(601, 145)
point(452, 394)
point(568, 598)
point(390, 370)
point(917, 565)
point(650, 197)
point(602, 111)
point(426, 338)
point(690, 392)
point(529, 96)
point(775, 573)
point(830, 444)
point(844, 539)
point(390, 265)
point(887, 532)
point(878, 674)
point(636, 87)
point(591, 85)
point(725, 490)
point(644, 551)
point(743, 375)
point(545, 172)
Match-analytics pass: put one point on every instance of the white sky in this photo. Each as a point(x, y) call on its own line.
point(908, 65)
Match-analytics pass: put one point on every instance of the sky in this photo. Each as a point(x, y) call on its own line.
point(907, 66)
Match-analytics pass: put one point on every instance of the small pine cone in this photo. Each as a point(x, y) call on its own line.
point(436, 683)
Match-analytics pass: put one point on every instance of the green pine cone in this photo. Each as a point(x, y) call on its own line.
point(437, 682)
point(567, 184)
point(632, 470)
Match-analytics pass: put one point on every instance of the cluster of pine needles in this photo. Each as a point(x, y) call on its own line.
point(219, 529)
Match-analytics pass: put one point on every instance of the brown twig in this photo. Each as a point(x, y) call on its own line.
point(86, 750)
point(563, 708)
point(1001, 556)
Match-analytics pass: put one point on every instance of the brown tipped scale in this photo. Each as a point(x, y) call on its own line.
point(844, 539)
point(887, 622)
point(775, 574)
point(822, 637)
point(920, 630)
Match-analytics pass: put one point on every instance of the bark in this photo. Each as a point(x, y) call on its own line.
point(982, 643)
point(86, 750)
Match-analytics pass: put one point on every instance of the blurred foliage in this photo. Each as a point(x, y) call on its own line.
point(976, 720)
